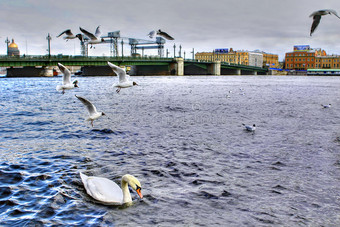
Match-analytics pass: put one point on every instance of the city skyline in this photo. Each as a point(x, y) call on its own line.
point(270, 26)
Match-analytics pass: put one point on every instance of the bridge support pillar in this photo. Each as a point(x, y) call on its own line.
point(177, 67)
point(238, 72)
point(214, 68)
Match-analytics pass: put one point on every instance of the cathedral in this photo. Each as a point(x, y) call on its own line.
point(13, 49)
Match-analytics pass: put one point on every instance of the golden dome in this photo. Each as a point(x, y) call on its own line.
point(13, 44)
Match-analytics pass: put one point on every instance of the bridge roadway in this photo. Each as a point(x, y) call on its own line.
point(92, 66)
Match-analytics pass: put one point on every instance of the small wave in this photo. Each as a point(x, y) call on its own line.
point(175, 109)
point(25, 113)
point(40, 123)
point(10, 178)
point(207, 195)
point(104, 131)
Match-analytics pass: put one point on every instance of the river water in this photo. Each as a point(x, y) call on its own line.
point(183, 138)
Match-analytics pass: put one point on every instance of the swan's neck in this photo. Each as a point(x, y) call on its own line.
point(126, 192)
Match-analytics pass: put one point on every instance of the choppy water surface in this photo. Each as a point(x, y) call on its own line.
point(182, 137)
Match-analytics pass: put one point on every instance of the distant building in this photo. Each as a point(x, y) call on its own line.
point(13, 49)
point(251, 58)
point(303, 58)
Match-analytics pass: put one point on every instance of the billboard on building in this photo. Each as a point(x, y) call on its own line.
point(222, 51)
point(301, 47)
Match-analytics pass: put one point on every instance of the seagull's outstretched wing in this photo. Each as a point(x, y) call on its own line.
point(151, 34)
point(98, 32)
point(66, 74)
point(334, 13)
point(119, 71)
point(164, 34)
point(88, 34)
point(90, 107)
point(316, 21)
point(67, 32)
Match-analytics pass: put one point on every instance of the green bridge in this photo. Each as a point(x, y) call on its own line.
point(92, 66)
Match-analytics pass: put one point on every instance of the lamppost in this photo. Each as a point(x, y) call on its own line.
point(193, 53)
point(49, 45)
point(7, 42)
point(174, 50)
point(122, 49)
point(180, 51)
point(167, 53)
point(184, 55)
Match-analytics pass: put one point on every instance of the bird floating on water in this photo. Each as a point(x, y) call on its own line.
point(93, 113)
point(317, 17)
point(108, 192)
point(67, 85)
point(94, 38)
point(124, 81)
point(326, 106)
point(160, 33)
point(69, 35)
point(250, 128)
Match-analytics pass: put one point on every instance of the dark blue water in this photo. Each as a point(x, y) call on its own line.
point(183, 138)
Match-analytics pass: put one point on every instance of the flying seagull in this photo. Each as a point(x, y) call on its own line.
point(160, 33)
point(317, 17)
point(69, 35)
point(124, 81)
point(93, 113)
point(67, 85)
point(94, 38)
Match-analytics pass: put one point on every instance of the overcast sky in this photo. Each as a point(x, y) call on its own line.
point(273, 26)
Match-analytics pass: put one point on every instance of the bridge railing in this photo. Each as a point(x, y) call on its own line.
point(77, 57)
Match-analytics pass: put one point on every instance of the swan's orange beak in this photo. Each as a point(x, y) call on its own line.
point(138, 190)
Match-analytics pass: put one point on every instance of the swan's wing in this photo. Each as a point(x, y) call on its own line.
point(90, 107)
point(98, 32)
point(120, 72)
point(67, 32)
point(88, 34)
point(316, 21)
point(66, 74)
point(102, 189)
point(165, 35)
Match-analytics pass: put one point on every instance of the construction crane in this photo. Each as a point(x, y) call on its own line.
point(136, 44)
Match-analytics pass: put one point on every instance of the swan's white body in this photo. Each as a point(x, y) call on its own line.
point(124, 81)
point(67, 84)
point(108, 192)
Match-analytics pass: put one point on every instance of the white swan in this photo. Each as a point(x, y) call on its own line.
point(93, 113)
point(124, 81)
point(108, 192)
point(66, 80)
